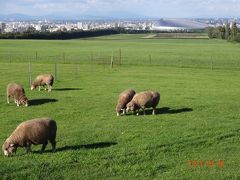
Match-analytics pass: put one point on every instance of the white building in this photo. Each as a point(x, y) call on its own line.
point(2, 26)
point(80, 25)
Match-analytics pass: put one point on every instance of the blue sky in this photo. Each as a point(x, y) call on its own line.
point(131, 8)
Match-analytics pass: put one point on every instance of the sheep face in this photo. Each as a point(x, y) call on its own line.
point(24, 101)
point(9, 149)
point(118, 109)
point(131, 106)
point(33, 87)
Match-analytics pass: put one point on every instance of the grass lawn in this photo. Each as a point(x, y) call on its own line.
point(198, 115)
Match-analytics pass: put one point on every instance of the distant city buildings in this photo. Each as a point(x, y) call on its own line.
point(2, 27)
point(160, 25)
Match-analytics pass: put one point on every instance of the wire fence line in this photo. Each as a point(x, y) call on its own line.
point(115, 59)
point(64, 65)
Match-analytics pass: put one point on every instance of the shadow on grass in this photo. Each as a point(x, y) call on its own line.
point(87, 146)
point(166, 110)
point(78, 147)
point(36, 102)
point(67, 89)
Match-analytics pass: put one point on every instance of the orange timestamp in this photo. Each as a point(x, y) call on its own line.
point(208, 163)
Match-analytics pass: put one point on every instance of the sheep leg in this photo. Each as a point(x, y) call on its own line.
point(8, 99)
point(15, 100)
point(124, 111)
point(18, 103)
point(53, 142)
point(43, 147)
point(39, 88)
point(137, 113)
point(49, 88)
point(28, 149)
point(144, 112)
point(153, 113)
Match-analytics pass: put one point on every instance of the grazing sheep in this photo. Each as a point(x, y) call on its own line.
point(17, 92)
point(144, 100)
point(35, 131)
point(43, 80)
point(124, 98)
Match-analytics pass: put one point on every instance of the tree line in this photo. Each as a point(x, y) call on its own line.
point(64, 35)
point(58, 34)
point(227, 32)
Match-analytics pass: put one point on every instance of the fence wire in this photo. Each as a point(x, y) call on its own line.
point(116, 59)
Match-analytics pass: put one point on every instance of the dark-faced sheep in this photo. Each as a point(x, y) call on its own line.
point(124, 98)
point(43, 80)
point(36, 131)
point(16, 92)
point(147, 99)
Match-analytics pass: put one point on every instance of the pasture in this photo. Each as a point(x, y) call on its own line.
point(197, 119)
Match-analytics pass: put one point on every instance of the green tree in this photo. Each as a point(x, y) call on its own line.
point(227, 31)
point(221, 32)
point(234, 31)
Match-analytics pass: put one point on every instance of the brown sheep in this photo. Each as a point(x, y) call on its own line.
point(43, 80)
point(35, 131)
point(17, 92)
point(144, 100)
point(124, 98)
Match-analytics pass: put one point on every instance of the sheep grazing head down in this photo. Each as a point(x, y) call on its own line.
point(131, 106)
point(33, 87)
point(24, 101)
point(9, 149)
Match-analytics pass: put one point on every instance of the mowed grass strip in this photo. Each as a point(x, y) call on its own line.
point(198, 119)
point(182, 35)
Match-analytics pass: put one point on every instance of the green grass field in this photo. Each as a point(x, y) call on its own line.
point(135, 50)
point(198, 115)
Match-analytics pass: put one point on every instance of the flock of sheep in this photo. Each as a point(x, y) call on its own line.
point(36, 131)
point(17, 92)
point(129, 100)
point(40, 131)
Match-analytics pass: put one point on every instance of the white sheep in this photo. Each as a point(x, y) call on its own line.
point(124, 98)
point(35, 131)
point(16, 92)
point(144, 100)
point(43, 80)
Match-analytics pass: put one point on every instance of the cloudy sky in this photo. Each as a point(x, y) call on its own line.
point(126, 8)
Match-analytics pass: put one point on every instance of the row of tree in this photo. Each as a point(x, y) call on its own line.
point(230, 33)
point(62, 35)
point(57, 35)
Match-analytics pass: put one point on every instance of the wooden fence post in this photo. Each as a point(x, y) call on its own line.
point(30, 73)
point(55, 71)
point(112, 60)
point(120, 56)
